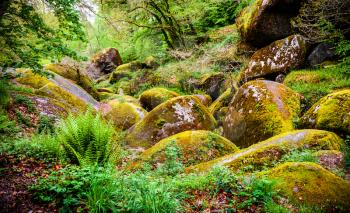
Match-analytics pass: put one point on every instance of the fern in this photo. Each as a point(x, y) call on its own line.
point(87, 139)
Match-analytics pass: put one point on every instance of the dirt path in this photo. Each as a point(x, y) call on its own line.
point(15, 177)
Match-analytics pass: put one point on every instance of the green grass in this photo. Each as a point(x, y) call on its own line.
point(315, 84)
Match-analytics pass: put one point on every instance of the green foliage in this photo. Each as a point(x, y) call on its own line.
point(26, 36)
point(4, 93)
point(40, 146)
point(299, 156)
point(20, 99)
point(172, 165)
point(217, 14)
point(87, 139)
point(46, 124)
point(347, 151)
point(257, 191)
point(23, 119)
point(66, 188)
point(6, 125)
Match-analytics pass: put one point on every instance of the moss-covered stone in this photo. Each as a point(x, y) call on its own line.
point(265, 21)
point(151, 62)
point(265, 153)
point(59, 88)
point(205, 99)
point(132, 66)
point(330, 113)
point(118, 75)
point(153, 97)
point(75, 74)
point(123, 114)
point(171, 117)
point(279, 57)
point(195, 147)
point(260, 110)
point(309, 184)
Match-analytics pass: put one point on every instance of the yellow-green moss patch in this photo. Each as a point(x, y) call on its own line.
point(310, 184)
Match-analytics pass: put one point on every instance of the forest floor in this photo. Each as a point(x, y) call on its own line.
point(15, 177)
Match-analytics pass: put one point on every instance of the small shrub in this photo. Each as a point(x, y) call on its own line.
point(23, 119)
point(87, 139)
point(299, 156)
point(46, 124)
point(172, 165)
point(6, 125)
point(20, 99)
point(4, 93)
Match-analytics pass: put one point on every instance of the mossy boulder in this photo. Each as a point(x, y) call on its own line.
point(153, 97)
point(59, 88)
point(265, 21)
point(194, 146)
point(77, 75)
point(332, 113)
point(310, 184)
point(279, 57)
point(151, 62)
point(259, 110)
point(268, 152)
point(104, 62)
point(171, 117)
point(123, 114)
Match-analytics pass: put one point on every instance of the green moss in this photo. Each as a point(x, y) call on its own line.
point(155, 96)
point(177, 115)
point(267, 152)
point(221, 101)
point(27, 77)
point(310, 184)
point(330, 113)
point(248, 16)
point(196, 147)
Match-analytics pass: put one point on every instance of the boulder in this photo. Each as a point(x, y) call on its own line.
point(59, 88)
point(331, 112)
point(194, 146)
point(259, 110)
point(279, 57)
point(171, 117)
point(104, 62)
point(74, 73)
point(265, 21)
point(122, 113)
point(151, 62)
point(310, 184)
point(320, 54)
point(153, 97)
point(267, 153)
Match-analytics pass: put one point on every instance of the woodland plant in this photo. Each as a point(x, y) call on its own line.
point(87, 139)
